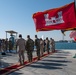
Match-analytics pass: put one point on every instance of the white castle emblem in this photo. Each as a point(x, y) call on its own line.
point(54, 20)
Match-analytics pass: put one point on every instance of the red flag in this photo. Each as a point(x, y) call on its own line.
point(62, 18)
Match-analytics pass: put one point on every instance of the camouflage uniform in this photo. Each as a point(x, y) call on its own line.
point(21, 44)
point(29, 48)
point(41, 47)
point(47, 45)
point(37, 44)
point(10, 45)
point(53, 45)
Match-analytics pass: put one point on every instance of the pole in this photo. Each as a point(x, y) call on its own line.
point(63, 37)
point(75, 4)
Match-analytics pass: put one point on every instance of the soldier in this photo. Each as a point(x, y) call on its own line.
point(29, 48)
point(37, 44)
point(21, 43)
point(51, 44)
point(10, 45)
point(6, 44)
point(12, 40)
point(47, 45)
point(44, 45)
point(3, 47)
point(41, 46)
point(0, 45)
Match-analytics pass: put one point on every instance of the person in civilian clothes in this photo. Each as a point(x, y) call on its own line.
point(21, 44)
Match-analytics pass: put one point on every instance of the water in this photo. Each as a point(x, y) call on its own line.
point(65, 45)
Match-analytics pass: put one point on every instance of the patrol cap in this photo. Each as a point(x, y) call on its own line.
point(35, 35)
point(20, 35)
point(28, 36)
point(47, 38)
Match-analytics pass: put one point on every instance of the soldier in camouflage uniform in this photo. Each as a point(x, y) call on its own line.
point(47, 45)
point(52, 45)
point(41, 47)
point(21, 43)
point(29, 48)
point(37, 44)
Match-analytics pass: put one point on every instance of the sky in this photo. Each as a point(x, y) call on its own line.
point(17, 15)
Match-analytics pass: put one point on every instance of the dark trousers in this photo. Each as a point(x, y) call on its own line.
point(30, 56)
point(38, 53)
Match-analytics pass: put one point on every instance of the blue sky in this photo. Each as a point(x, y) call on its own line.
point(17, 15)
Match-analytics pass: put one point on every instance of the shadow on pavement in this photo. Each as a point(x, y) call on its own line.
point(4, 64)
point(45, 66)
point(59, 61)
point(51, 64)
point(56, 57)
point(62, 53)
point(16, 73)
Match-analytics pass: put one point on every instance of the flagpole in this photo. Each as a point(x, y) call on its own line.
point(75, 4)
point(63, 37)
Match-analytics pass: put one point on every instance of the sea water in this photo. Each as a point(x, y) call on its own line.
point(65, 45)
